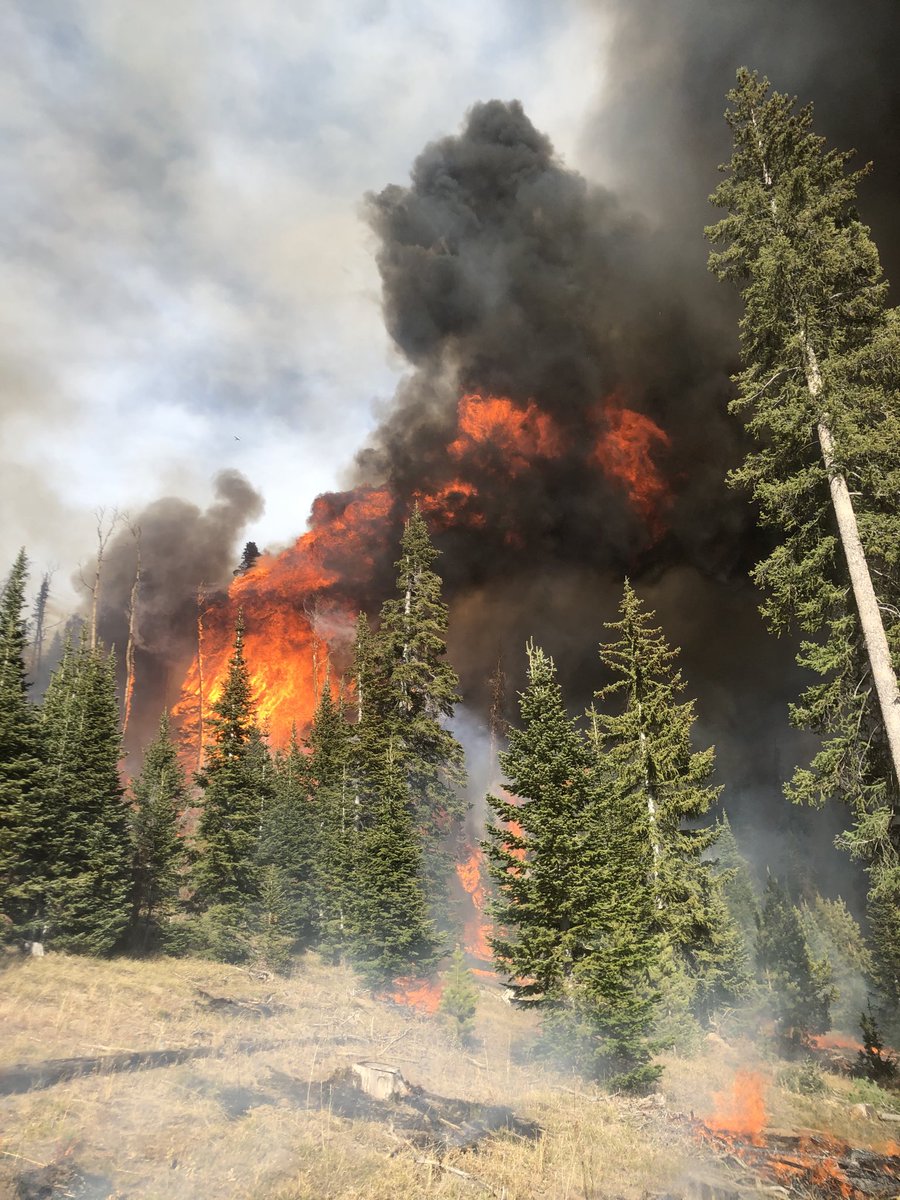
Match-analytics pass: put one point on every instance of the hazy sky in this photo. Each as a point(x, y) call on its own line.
point(183, 254)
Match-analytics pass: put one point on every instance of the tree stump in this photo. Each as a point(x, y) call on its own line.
point(380, 1081)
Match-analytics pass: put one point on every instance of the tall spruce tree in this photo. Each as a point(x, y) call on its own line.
point(571, 863)
point(798, 986)
point(412, 647)
point(290, 842)
point(226, 872)
point(390, 932)
point(645, 730)
point(334, 815)
point(23, 800)
point(90, 889)
point(820, 393)
point(159, 796)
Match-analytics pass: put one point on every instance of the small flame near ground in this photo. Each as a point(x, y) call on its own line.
point(742, 1109)
point(424, 995)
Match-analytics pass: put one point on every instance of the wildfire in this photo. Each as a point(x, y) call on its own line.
point(301, 603)
point(494, 427)
point(420, 994)
point(626, 450)
point(742, 1109)
point(470, 873)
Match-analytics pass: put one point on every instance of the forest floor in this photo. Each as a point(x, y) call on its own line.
point(233, 1113)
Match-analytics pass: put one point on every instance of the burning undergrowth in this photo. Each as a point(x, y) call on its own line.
point(804, 1164)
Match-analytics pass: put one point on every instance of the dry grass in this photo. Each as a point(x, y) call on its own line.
point(177, 1132)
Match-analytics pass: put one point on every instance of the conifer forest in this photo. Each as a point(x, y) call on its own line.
point(580, 698)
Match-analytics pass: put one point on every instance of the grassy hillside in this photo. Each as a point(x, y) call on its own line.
point(231, 1120)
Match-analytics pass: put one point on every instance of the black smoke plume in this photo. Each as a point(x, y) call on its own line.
point(182, 548)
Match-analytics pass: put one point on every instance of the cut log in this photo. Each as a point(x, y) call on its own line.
point(380, 1081)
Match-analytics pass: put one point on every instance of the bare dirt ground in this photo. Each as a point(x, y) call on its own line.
point(184, 1079)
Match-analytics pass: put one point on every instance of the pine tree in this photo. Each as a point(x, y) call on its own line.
point(575, 908)
point(391, 934)
point(798, 986)
point(546, 766)
point(226, 873)
point(646, 734)
point(89, 851)
point(290, 841)
point(334, 814)
point(158, 797)
point(738, 887)
point(459, 1000)
point(819, 389)
point(834, 935)
point(412, 647)
point(23, 866)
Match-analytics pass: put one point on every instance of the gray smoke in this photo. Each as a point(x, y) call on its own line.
point(182, 548)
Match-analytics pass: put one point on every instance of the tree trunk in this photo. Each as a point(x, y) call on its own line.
point(129, 648)
point(870, 620)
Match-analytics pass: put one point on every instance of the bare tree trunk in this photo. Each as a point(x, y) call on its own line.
point(497, 722)
point(129, 648)
point(874, 636)
point(103, 536)
point(40, 618)
point(200, 677)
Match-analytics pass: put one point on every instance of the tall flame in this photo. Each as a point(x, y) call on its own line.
point(627, 449)
point(742, 1109)
point(302, 602)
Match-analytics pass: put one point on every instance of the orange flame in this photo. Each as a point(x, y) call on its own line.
point(421, 994)
point(626, 450)
point(742, 1109)
point(470, 873)
point(835, 1041)
point(301, 603)
point(494, 427)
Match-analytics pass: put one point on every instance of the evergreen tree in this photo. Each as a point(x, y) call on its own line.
point(23, 864)
point(833, 935)
point(276, 936)
point(798, 985)
point(290, 841)
point(819, 389)
point(158, 797)
point(90, 888)
point(738, 887)
point(646, 733)
point(226, 873)
point(391, 934)
point(334, 815)
point(574, 911)
point(412, 646)
point(459, 1001)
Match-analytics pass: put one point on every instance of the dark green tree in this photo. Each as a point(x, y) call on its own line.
point(459, 1000)
point(422, 695)
point(798, 986)
point(820, 394)
point(290, 841)
point(646, 732)
point(159, 796)
point(390, 932)
point(334, 809)
point(90, 890)
point(226, 871)
point(738, 885)
point(574, 912)
point(23, 799)
point(834, 935)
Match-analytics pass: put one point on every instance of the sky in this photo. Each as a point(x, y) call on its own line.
point(190, 282)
